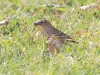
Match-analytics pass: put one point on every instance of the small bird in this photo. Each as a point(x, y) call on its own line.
point(55, 38)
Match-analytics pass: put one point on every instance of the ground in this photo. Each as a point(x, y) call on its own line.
point(22, 47)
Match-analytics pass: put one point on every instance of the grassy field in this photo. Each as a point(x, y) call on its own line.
point(22, 46)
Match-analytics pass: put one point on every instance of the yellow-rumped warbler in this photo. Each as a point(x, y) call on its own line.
point(55, 38)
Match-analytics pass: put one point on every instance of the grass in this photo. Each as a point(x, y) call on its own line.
point(21, 49)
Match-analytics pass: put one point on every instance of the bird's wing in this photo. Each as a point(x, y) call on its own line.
point(64, 37)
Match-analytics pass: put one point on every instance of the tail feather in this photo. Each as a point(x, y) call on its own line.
point(71, 40)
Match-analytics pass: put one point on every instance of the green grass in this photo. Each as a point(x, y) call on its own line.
point(22, 51)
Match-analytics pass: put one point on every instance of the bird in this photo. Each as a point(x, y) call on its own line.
point(56, 39)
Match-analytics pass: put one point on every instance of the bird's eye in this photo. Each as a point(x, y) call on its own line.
point(41, 22)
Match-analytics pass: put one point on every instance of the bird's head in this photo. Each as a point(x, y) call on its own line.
point(42, 24)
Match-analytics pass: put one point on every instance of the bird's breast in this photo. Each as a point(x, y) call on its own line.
point(40, 27)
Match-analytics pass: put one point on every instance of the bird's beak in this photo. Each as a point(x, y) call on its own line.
point(35, 23)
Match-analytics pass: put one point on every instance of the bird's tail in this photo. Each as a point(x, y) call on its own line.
point(71, 40)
